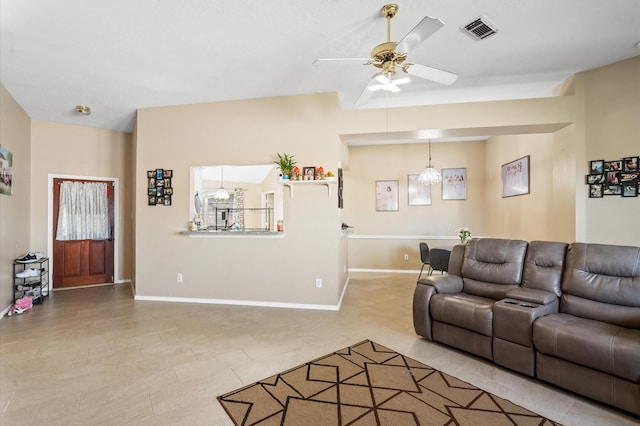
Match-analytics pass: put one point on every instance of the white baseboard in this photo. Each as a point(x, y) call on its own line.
point(4, 312)
point(240, 303)
point(388, 271)
point(248, 302)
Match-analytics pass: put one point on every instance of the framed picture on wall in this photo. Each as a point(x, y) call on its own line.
point(419, 193)
point(595, 191)
point(159, 189)
point(340, 188)
point(630, 164)
point(387, 195)
point(515, 177)
point(6, 172)
point(630, 189)
point(454, 184)
point(597, 167)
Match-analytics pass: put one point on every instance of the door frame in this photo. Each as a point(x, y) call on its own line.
point(116, 218)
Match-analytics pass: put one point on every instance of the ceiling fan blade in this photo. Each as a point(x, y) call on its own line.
point(429, 73)
point(363, 61)
point(419, 33)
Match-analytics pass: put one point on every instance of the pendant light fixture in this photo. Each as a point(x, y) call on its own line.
point(430, 176)
point(221, 194)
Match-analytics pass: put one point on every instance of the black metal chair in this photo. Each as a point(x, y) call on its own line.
point(424, 256)
point(439, 260)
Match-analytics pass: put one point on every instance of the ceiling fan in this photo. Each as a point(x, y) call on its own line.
point(391, 55)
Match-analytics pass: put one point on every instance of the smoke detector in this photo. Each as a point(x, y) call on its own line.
point(480, 28)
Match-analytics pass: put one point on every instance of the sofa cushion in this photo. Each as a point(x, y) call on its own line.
point(602, 282)
point(598, 345)
point(544, 266)
point(493, 261)
point(463, 310)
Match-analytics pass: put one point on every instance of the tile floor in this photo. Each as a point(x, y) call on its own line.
point(94, 356)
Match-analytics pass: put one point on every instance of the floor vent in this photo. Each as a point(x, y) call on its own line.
point(480, 28)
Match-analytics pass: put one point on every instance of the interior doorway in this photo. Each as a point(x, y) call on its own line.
point(82, 262)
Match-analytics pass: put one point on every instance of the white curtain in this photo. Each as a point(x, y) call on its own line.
point(83, 212)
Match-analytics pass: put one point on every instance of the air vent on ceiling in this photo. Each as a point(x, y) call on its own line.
point(480, 28)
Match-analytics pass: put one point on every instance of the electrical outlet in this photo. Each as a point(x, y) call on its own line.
point(318, 282)
point(179, 278)
point(406, 257)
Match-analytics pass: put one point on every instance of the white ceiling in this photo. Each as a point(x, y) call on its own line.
point(120, 55)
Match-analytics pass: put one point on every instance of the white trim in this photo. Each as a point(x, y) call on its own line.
point(402, 237)
point(232, 234)
point(344, 290)
point(239, 302)
point(248, 302)
point(5, 311)
point(391, 271)
point(116, 217)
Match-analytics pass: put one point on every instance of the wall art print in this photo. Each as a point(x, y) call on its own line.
point(387, 195)
point(159, 187)
point(454, 184)
point(6, 172)
point(515, 177)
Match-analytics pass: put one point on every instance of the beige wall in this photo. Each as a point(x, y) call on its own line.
point(63, 149)
point(270, 270)
point(14, 209)
point(381, 239)
point(547, 212)
point(612, 131)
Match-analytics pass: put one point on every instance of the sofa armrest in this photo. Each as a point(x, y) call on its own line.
point(443, 283)
point(530, 295)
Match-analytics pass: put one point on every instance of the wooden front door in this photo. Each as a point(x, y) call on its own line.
point(81, 262)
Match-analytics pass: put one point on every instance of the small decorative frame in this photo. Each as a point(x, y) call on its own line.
point(630, 164)
point(609, 166)
point(308, 173)
point(454, 184)
point(419, 193)
point(595, 191)
point(340, 185)
point(6, 172)
point(597, 167)
point(387, 195)
point(515, 177)
point(630, 189)
point(610, 190)
point(159, 187)
point(593, 179)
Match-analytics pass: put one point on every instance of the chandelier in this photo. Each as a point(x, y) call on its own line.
point(430, 176)
point(221, 194)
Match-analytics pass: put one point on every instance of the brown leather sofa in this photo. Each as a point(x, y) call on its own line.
point(566, 314)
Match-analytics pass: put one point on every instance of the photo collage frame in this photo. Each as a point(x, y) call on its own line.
point(614, 177)
point(159, 187)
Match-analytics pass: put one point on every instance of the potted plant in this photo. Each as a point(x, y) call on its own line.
point(285, 163)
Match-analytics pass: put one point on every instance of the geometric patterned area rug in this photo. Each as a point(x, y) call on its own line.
point(369, 384)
